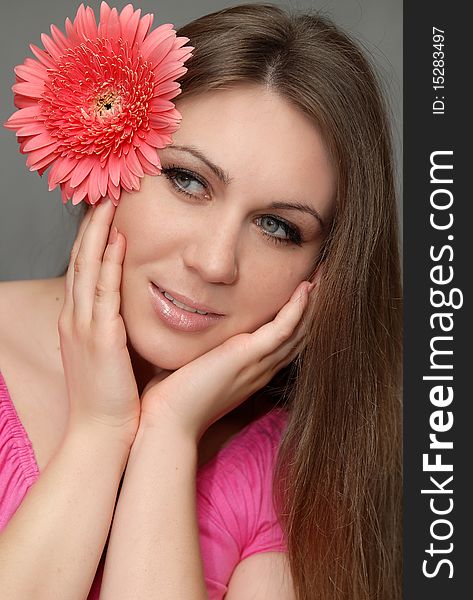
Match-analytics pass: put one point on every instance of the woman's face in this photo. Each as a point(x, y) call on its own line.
point(231, 226)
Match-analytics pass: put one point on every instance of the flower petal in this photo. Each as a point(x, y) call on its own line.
point(25, 88)
point(124, 18)
point(93, 181)
point(149, 153)
point(42, 165)
point(81, 170)
point(61, 170)
point(80, 192)
point(24, 116)
point(181, 40)
point(104, 16)
point(103, 180)
point(43, 57)
point(114, 192)
point(133, 164)
point(114, 168)
point(153, 138)
point(51, 46)
point(158, 54)
point(125, 15)
point(169, 71)
point(71, 33)
point(109, 27)
point(85, 24)
point(130, 25)
point(128, 179)
point(148, 167)
point(143, 29)
point(59, 38)
point(32, 71)
point(94, 176)
point(180, 55)
point(39, 141)
point(168, 86)
point(155, 38)
point(161, 105)
point(37, 156)
point(23, 101)
point(34, 128)
point(64, 194)
point(172, 94)
point(90, 24)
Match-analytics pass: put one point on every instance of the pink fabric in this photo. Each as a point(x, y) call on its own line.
point(234, 501)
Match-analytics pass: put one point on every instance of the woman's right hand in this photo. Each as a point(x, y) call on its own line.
point(54, 541)
point(99, 376)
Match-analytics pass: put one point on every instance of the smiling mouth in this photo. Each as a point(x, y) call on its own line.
point(181, 304)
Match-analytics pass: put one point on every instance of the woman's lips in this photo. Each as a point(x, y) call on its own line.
point(180, 318)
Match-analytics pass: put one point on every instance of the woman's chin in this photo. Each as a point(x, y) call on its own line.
point(168, 358)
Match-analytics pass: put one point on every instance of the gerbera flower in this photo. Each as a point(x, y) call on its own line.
point(96, 104)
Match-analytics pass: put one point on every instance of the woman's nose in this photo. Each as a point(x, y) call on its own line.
point(214, 256)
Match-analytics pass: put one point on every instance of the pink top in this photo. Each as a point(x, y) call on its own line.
point(234, 502)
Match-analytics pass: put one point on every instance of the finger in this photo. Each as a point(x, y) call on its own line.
point(283, 363)
point(68, 301)
point(298, 339)
point(269, 367)
point(294, 345)
point(107, 292)
point(89, 260)
point(284, 355)
point(274, 334)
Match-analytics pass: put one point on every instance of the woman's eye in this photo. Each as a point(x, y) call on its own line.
point(273, 226)
point(279, 230)
point(184, 181)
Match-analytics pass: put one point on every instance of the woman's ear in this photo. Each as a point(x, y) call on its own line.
point(315, 278)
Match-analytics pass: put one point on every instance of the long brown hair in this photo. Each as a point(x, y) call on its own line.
point(338, 475)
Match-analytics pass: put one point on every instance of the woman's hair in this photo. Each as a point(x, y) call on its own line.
point(338, 474)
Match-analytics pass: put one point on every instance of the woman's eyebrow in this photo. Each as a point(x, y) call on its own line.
point(220, 173)
point(300, 206)
point(225, 179)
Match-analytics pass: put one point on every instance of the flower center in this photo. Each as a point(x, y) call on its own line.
point(107, 104)
point(96, 100)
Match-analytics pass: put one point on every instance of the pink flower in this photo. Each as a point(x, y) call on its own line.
point(96, 104)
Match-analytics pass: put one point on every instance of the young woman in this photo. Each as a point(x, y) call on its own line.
point(230, 329)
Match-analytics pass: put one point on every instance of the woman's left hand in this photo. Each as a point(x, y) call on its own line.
point(202, 391)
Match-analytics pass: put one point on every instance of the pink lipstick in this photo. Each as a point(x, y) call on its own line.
point(178, 314)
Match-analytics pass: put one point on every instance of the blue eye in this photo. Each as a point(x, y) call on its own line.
point(185, 181)
point(278, 230)
point(273, 226)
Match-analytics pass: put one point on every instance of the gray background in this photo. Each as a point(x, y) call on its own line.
point(36, 230)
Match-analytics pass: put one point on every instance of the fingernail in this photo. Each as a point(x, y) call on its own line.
point(310, 287)
point(303, 293)
point(112, 238)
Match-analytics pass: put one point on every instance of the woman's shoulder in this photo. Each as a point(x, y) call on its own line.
point(260, 436)
point(235, 507)
point(29, 339)
point(251, 452)
point(14, 297)
point(30, 359)
point(29, 310)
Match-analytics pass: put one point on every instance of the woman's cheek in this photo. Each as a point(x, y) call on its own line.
point(263, 306)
